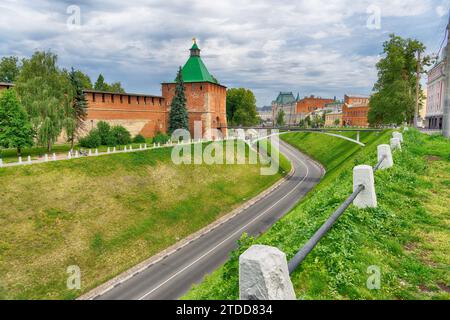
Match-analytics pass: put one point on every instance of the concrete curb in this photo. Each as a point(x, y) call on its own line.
point(102, 289)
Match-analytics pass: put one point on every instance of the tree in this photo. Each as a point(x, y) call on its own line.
point(9, 69)
point(116, 87)
point(337, 122)
point(46, 93)
point(101, 85)
point(280, 118)
point(104, 130)
point(15, 128)
point(241, 107)
point(77, 112)
point(84, 79)
point(395, 91)
point(120, 135)
point(178, 117)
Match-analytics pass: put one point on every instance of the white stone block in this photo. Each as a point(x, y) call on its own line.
point(114, 149)
point(96, 152)
point(159, 144)
point(69, 155)
point(77, 154)
point(405, 129)
point(145, 146)
point(384, 150)
point(264, 275)
point(20, 159)
point(125, 149)
point(54, 156)
point(108, 150)
point(398, 135)
point(363, 175)
point(396, 144)
point(90, 152)
point(46, 157)
point(1, 163)
point(131, 148)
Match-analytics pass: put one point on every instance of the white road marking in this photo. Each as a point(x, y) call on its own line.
point(233, 234)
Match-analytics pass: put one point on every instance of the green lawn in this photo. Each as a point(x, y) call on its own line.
point(106, 214)
point(407, 236)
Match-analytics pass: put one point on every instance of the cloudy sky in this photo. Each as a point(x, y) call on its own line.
point(321, 47)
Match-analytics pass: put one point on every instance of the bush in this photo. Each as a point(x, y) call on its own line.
point(161, 138)
point(139, 139)
point(104, 130)
point(92, 140)
point(119, 135)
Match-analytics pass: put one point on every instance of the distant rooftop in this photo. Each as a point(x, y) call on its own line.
point(285, 98)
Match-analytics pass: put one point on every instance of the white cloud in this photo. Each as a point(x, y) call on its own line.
point(265, 45)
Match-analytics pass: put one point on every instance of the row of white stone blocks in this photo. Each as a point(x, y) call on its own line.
point(263, 270)
point(78, 154)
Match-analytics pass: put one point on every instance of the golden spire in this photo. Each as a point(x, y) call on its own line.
point(194, 41)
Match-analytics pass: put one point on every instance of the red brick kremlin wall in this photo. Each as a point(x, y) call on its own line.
point(140, 114)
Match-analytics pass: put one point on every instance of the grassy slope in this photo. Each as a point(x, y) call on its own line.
point(106, 214)
point(407, 236)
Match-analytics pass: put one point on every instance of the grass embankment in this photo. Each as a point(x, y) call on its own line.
point(106, 214)
point(407, 236)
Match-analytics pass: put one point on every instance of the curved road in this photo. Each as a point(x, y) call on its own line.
point(175, 275)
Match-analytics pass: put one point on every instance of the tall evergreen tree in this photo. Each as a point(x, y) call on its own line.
point(178, 118)
point(15, 128)
point(100, 84)
point(77, 111)
point(45, 92)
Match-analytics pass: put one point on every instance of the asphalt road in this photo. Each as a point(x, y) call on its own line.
point(175, 275)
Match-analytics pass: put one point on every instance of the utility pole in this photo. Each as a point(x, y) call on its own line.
point(416, 112)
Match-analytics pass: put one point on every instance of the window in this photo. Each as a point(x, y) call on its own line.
point(112, 98)
point(129, 99)
point(103, 97)
point(93, 97)
point(137, 99)
point(121, 98)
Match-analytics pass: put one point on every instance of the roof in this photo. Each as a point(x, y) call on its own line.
point(195, 71)
point(285, 98)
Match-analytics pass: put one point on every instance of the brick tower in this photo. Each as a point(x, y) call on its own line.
point(206, 98)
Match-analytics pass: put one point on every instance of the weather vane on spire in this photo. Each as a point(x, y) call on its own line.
point(194, 40)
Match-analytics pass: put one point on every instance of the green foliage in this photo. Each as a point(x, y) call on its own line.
point(9, 69)
point(394, 99)
point(15, 128)
point(46, 92)
point(161, 138)
point(77, 111)
point(92, 140)
point(178, 117)
point(101, 85)
point(241, 107)
point(120, 135)
point(280, 118)
point(384, 236)
point(84, 79)
point(139, 139)
point(104, 130)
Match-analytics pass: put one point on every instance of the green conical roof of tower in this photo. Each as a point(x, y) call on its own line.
point(195, 70)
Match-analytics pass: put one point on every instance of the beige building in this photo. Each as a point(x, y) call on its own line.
point(332, 118)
